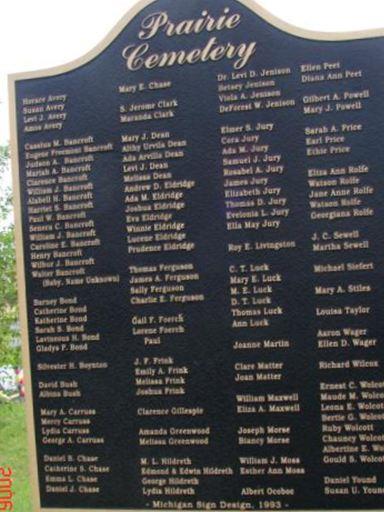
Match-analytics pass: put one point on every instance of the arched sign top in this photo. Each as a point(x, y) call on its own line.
point(253, 6)
point(199, 205)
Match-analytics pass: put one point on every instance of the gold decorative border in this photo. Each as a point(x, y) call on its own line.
point(99, 48)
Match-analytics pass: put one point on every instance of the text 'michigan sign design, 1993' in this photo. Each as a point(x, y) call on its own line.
point(200, 212)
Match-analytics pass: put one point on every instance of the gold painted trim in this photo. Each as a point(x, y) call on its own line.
point(99, 48)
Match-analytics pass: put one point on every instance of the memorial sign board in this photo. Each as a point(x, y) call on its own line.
point(199, 207)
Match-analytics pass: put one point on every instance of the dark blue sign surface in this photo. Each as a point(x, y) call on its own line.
point(201, 208)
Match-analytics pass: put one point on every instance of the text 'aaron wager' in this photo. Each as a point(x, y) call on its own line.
point(139, 56)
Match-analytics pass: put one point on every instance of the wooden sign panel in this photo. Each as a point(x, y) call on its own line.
point(200, 212)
